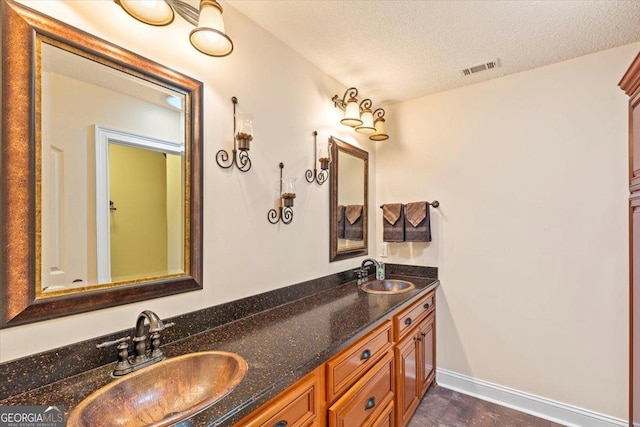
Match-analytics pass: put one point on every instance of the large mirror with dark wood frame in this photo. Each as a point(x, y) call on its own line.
point(101, 197)
point(348, 201)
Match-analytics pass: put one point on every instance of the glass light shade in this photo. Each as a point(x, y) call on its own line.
point(381, 130)
point(324, 155)
point(367, 122)
point(323, 151)
point(352, 114)
point(209, 37)
point(244, 130)
point(288, 188)
point(152, 12)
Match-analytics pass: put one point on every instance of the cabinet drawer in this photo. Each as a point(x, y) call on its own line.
point(295, 407)
point(367, 399)
point(347, 367)
point(407, 319)
point(385, 419)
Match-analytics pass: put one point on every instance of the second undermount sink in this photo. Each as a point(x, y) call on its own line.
point(162, 394)
point(387, 286)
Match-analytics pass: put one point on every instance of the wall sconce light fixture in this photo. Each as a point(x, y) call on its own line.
point(242, 137)
point(379, 124)
point(321, 153)
point(359, 115)
point(208, 37)
point(287, 194)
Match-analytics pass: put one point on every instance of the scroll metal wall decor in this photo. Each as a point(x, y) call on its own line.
point(284, 212)
point(242, 137)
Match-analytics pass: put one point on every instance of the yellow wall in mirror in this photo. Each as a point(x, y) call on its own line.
point(139, 223)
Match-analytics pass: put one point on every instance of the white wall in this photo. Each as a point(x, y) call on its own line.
point(531, 234)
point(243, 253)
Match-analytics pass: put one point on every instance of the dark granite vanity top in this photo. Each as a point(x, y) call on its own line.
point(280, 345)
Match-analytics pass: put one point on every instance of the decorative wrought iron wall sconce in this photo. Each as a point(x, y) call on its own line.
point(359, 115)
point(242, 137)
point(324, 156)
point(287, 194)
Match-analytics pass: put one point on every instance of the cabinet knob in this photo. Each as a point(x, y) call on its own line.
point(370, 403)
point(407, 321)
point(281, 424)
point(365, 354)
point(418, 339)
point(426, 306)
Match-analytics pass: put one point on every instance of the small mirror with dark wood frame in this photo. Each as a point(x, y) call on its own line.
point(101, 194)
point(348, 201)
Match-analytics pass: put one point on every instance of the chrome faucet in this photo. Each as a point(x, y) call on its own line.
point(141, 357)
point(362, 273)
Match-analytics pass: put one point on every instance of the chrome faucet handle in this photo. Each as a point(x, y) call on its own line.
point(161, 327)
point(114, 342)
point(123, 366)
point(154, 341)
point(361, 275)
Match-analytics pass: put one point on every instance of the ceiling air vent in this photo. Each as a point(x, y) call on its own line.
point(481, 67)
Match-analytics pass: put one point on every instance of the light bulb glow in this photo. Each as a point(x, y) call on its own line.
point(381, 131)
point(152, 12)
point(209, 37)
point(367, 123)
point(352, 114)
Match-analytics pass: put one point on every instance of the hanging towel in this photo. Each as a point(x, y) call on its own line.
point(393, 222)
point(353, 226)
point(340, 222)
point(417, 222)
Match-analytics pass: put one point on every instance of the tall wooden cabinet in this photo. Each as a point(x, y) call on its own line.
point(630, 83)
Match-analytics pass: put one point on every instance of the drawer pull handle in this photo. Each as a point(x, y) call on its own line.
point(281, 424)
point(365, 354)
point(407, 321)
point(370, 403)
point(426, 306)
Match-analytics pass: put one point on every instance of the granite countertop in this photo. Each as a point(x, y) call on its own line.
point(280, 345)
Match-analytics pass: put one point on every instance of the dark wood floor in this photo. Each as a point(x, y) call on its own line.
point(442, 407)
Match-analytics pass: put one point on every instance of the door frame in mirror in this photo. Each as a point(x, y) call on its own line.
point(338, 145)
point(19, 208)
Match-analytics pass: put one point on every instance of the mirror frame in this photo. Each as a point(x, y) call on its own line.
point(19, 209)
point(338, 145)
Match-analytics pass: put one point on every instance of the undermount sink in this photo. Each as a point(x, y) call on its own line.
point(387, 286)
point(164, 393)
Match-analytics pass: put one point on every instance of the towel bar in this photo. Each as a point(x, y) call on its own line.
point(435, 204)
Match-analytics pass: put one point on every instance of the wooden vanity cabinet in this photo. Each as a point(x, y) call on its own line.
point(415, 356)
point(376, 382)
point(301, 405)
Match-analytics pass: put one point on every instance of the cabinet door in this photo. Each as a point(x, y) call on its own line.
point(407, 385)
point(634, 295)
point(427, 353)
point(297, 406)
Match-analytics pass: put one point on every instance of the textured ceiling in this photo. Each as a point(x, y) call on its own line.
point(394, 50)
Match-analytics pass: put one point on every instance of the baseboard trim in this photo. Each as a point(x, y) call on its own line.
point(538, 406)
